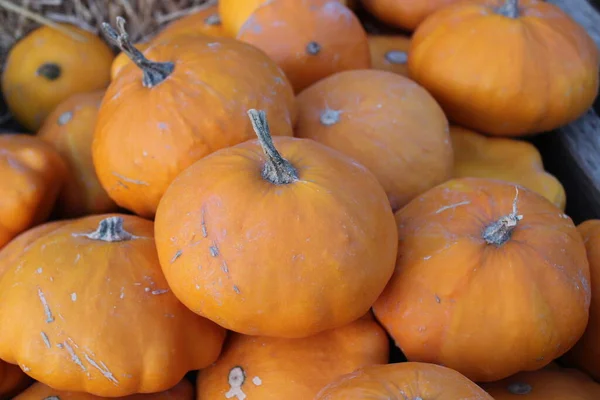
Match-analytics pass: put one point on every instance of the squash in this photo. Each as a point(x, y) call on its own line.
point(403, 381)
point(515, 161)
point(32, 176)
point(38, 391)
point(491, 279)
point(517, 67)
point(99, 312)
point(196, 95)
point(390, 53)
point(555, 384)
point(320, 37)
point(407, 15)
point(204, 22)
point(385, 121)
point(272, 238)
point(12, 379)
point(265, 368)
point(70, 129)
point(122, 59)
point(585, 355)
point(47, 66)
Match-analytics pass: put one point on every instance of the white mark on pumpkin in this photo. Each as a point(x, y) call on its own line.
point(122, 293)
point(45, 339)
point(159, 291)
point(163, 126)
point(73, 296)
point(39, 270)
point(146, 289)
point(197, 287)
point(437, 299)
point(77, 257)
point(129, 180)
point(224, 267)
point(203, 223)
point(64, 118)
point(47, 311)
point(236, 379)
point(214, 250)
point(60, 345)
point(74, 357)
point(102, 368)
point(51, 279)
point(176, 256)
point(236, 289)
point(451, 206)
point(257, 381)
point(426, 258)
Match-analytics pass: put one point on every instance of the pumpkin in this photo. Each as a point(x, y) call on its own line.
point(545, 384)
point(122, 59)
point(321, 38)
point(292, 369)
point(491, 279)
point(12, 380)
point(585, 355)
point(204, 22)
point(403, 381)
point(390, 53)
point(386, 122)
point(515, 161)
point(528, 67)
point(47, 66)
point(283, 237)
point(70, 129)
point(99, 312)
point(404, 14)
point(196, 95)
point(38, 391)
point(32, 175)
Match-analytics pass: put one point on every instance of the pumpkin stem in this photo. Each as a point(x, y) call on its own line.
point(50, 71)
point(313, 48)
point(154, 72)
point(500, 231)
point(277, 169)
point(110, 230)
point(510, 9)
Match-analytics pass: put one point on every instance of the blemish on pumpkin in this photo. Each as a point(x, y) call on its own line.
point(203, 223)
point(102, 368)
point(214, 250)
point(451, 206)
point(47, 311)
point(176, 256)
point(519, 388)
point(437, 299)
point(64, 118)
point(159, 291)
point(129, 180)
point(122, 293)
point(24, 368)
point(39, 270)
point(257, 381)
point(224, 267)
point(426, 258)
point(236, 379)
point(74, 357)
point(236, 289)
point(45, 339)
point(73, 296)
point(213, 19)
point(329, 117)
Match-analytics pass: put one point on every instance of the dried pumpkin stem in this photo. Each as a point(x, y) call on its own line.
point(50, 71)
point(277, 169)
point(313, 48)
point(154, 72)
point(500, 231)
point(510, 9)
point(110, 230)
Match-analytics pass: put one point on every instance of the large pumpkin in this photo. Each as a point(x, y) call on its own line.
point(386, 122)
point(204, 22)
point(196, 94)
point(265, 368)
point(403, 381)
point(47, 66)
point(545, 384)
point(511, 160)
point(320, 38)
point(491, 279)
point(282, 238)
point(32, 173)
point(99, 313)
point(586, 353)
point(70, 129)
point(12, 380)
point(390, 53)
point(517, 67)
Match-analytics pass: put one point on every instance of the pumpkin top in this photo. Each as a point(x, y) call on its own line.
point(109, 230)
point(499, 232)
point(509, 9)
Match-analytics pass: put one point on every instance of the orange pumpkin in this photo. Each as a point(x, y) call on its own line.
point(260, 241)
point(32, 174)
point(265, 368)
point(545, 384)
point(404, 14)
point(585, 354)
point(122, 59)
point(390, 53)
point(196, 95)
point(386, 122)
point(99, 312)
point(204, 22)
point(70, 129)
point(517, 67)
point(47, 66)
point(515, 161)
point(38, 391)
point(491, 279)
point(12, 379)
point(320, 37)
point(403, 381)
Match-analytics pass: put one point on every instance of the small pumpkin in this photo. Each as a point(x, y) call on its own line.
point(122, 59)
point(99, 312)
point(585, 355)
point(472, 245)
point(204, 22)
point(494, 86)
point(258, 237)
point(390, 53)
point(402, 381)
point(12, 379)
point(196, 95)
point(545, 384)
point(515, 161)
point(32, 176)
point(184, 390)
point(320, 37)
point(404, 14)
point(70, 129)
point(386, 122)
point(47, 66)
point(292, 369)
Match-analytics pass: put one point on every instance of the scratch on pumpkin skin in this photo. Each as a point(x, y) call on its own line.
point(451, 206)
point(214, 250)
point(224, 267)
point(74, 357)
point(437, 299)
point(129, 180)
point(236, 379)
point(176, 256)
point(159, 291)
point(45, 339)
point(47, 311)
point(203, 223)
point(236, 289)
point(100, 366)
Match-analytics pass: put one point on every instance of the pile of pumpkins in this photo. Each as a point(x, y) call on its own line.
point(268, 195)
